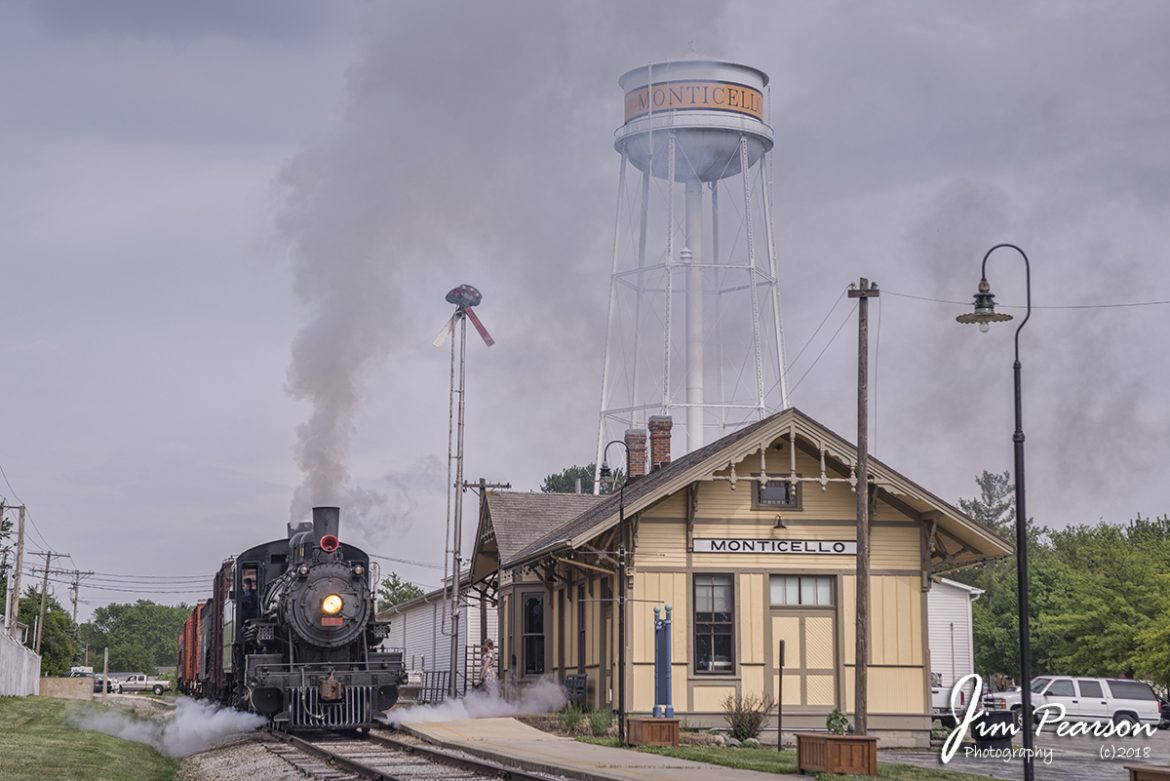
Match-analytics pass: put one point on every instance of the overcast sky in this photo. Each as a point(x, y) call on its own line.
point(218, 218)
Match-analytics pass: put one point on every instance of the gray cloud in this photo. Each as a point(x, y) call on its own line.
point(449, 143)
point(179, 20)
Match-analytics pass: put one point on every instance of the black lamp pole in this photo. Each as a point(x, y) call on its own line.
point(983, 315)
point(621, 588)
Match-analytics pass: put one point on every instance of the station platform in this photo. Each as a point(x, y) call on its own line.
point(509, 742)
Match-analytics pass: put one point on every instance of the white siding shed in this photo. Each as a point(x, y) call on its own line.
point(949, 630)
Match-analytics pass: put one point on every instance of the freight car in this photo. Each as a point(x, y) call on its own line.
point(289, 633)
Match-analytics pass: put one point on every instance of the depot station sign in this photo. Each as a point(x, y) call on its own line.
point(750, 545)
point(694, 96)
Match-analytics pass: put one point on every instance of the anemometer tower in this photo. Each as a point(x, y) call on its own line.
point(694, 306)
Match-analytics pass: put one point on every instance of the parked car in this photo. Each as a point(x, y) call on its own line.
point(1086, 699)
point(140, 682)
point(940, 700)
point(98, 680)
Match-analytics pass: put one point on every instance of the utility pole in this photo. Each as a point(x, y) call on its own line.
point(863, 292)
point(44, 596)
point(16, 574)
point(8, 592)
point(75, 588)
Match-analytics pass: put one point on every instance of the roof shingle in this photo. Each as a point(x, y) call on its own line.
point(520, 519)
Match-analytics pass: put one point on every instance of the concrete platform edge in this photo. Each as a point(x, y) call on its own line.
point(509, 760)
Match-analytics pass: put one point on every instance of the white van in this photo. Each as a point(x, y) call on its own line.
point(1087, 699)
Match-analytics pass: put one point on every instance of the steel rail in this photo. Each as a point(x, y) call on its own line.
point(332, 759)
point(483, 767)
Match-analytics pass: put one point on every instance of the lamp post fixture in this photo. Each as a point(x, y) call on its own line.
point(604, 473)
point(984, 315)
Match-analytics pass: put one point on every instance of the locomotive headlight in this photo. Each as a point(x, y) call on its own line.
point(332, 604)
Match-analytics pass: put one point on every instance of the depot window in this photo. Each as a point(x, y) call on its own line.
point(532, 619)
point(769, 494)
point(714, 624)
point(802, 591)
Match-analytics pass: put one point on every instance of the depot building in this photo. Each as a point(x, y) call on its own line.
point(752, 541)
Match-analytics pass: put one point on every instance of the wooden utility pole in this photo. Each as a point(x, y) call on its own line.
point(45, 595)
point(862, 293)
point(16, 573)
point(75, 587)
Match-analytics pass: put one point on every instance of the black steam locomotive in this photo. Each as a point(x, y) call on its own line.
point(289, 633)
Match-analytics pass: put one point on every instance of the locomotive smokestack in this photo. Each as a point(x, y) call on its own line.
point(326, 520)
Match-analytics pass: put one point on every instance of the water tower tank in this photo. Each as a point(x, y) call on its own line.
point(693, 238)
point(709, 105)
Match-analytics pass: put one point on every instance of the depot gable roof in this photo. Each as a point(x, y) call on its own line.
point(955, 539)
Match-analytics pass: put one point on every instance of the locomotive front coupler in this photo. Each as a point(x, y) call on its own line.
point(330, 688)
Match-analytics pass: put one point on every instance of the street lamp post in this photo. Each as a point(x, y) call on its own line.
point(984, 315)
point(604, 473)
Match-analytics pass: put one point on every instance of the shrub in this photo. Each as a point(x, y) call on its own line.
point(747, 714)
point(570, 717)
point(836, 723)
point(599, 722)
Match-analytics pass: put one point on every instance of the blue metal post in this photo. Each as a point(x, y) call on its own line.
point(666, 663)
point(657, 713)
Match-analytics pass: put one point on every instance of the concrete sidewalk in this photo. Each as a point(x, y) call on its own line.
point(508, 742)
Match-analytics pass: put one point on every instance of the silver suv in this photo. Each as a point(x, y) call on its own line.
point(1086, 699)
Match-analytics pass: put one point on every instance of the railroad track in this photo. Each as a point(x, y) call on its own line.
point(334, 757)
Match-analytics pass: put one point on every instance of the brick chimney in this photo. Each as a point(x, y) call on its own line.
point(660, 426)
point(635, 453)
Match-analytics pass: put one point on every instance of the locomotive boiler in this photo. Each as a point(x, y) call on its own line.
point(290, 633)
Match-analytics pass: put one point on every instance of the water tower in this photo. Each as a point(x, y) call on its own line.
point(694, 307)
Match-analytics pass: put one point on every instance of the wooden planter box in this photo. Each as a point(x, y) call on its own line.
point(818, 752)
point(645, 731)
point(1148, 773)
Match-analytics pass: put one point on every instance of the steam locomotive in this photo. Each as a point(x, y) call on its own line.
point(289, 633)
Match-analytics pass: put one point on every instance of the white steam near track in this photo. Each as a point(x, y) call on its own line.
point(542, 697)
point(194, 726)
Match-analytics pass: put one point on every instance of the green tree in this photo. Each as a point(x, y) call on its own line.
point(995, 506)
point(141, 637)
point(1108, 599)
point(994, 615)
point(58, 641)
point(565, 481)
point(393, 590)
point(1098, 596)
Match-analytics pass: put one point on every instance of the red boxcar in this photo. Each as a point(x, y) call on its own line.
point(189, 653)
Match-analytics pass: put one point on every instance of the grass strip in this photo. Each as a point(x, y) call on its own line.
point(769, 760)
point(38, 743)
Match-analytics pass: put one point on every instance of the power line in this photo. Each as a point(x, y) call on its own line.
point(824, 349)
point(167, 590)
point(1034, 306)
point(424, 564)
point(824, 320)
point(170, 578)
point(27, 513)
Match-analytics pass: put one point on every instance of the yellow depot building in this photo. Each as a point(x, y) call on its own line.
point(751, 540)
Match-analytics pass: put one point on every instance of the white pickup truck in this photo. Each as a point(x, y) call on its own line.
point(142, 683)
